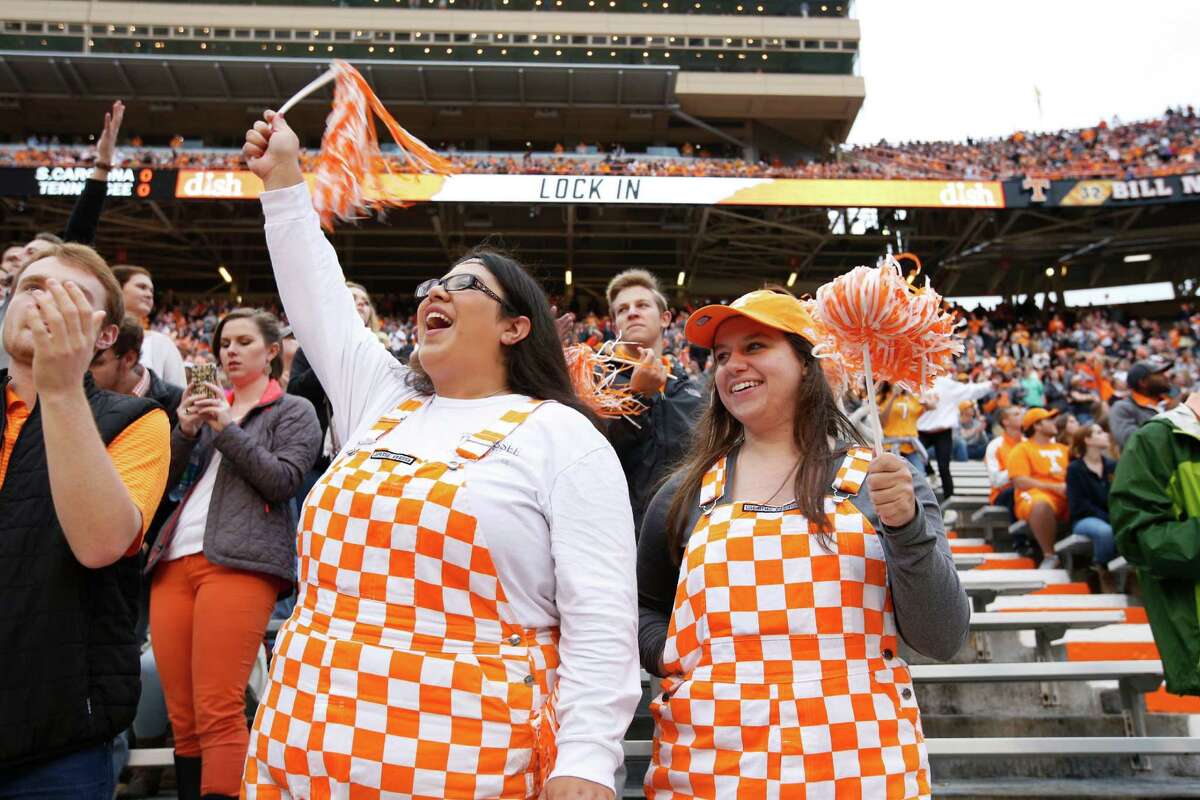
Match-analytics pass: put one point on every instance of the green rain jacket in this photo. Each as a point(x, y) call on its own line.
point(1154, 506)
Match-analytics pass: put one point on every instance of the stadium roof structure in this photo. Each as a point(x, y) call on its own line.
point(442, 100)
point(721, 250)
point(267, 82)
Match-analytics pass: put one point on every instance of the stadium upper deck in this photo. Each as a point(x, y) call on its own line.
point(785, 8)
point(771, 77)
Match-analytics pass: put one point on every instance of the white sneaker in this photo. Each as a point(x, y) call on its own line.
point(1049, 562)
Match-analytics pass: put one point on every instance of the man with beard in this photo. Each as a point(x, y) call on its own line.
point(118, 369)
point(1149, 385)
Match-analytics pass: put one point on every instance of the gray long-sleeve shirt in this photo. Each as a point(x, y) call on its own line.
point(1126, 416)
point(931, 608)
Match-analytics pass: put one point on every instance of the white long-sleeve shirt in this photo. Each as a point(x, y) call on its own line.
point(551, 502)
point(161, 354)
point(949, 394)
point(997, 474)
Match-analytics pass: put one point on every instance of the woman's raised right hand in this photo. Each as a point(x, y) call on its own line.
point(272, 152)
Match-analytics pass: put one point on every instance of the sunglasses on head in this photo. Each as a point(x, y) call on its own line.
point(461, 282)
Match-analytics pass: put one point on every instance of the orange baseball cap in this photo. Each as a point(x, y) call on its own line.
point(1035, 415)
point(779, 311)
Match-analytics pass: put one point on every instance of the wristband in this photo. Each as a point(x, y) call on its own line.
point(104, 165)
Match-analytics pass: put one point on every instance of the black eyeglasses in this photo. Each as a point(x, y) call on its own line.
point(459, 283)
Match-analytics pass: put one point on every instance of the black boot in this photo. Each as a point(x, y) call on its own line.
point(187, 777)
point(218, 797)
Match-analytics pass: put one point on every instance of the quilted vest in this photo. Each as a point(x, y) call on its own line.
point(69, 674)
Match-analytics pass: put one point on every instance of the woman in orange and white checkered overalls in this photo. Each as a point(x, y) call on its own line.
point(465, 626)
point(775, 570)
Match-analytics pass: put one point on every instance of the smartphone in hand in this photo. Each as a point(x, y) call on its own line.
point(198, 376)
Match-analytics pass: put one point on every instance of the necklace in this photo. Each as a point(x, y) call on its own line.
point(781, 485)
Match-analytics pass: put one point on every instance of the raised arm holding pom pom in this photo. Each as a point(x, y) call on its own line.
point(272, 152)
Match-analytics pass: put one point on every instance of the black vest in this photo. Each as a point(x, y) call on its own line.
point(69, 658)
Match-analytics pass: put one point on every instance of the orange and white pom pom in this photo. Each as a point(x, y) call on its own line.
point(879, 328)
point(350, 157)
point(594, 375)
point(866, 315)
point(873, 315)
point(833, 363)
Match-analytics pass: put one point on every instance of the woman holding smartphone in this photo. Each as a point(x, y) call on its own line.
point(228, 552)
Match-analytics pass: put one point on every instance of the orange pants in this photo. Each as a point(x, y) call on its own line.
point(206, 624)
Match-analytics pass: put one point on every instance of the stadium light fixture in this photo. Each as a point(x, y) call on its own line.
point(1137, 258)
point(791, 281)
point(224, 273)
point(568, 278)
point(682, 277)
point(1063, 270)
point(1049, 272)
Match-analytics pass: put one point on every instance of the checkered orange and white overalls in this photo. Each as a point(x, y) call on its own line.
point(782, 656)
point(400, 672)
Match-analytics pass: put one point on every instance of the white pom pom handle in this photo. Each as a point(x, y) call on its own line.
point(316, 83)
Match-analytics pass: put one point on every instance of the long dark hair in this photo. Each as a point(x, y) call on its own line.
point(816, 416)
point(536, 365)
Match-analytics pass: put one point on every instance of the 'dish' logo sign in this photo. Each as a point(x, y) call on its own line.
point(960, 193)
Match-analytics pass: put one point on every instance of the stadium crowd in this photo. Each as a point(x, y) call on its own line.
point(251, 465)
point(1166, 145)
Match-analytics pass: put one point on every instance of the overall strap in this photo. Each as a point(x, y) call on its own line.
point(478, 445)
point(391, 419)
point(852, 474)
point(712, 485)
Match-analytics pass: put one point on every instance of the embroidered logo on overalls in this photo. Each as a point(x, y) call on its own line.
point(752, 508)
point(403, 458)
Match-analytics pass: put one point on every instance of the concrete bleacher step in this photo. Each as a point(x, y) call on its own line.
point(1021, 758)
point(1117, 788)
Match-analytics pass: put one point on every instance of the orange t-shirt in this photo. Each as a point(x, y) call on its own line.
point(141, 453)
point(1046, 462)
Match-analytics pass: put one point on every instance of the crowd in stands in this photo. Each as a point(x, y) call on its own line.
point(1166, 145)
point(1086, 367)
point(154, 501)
